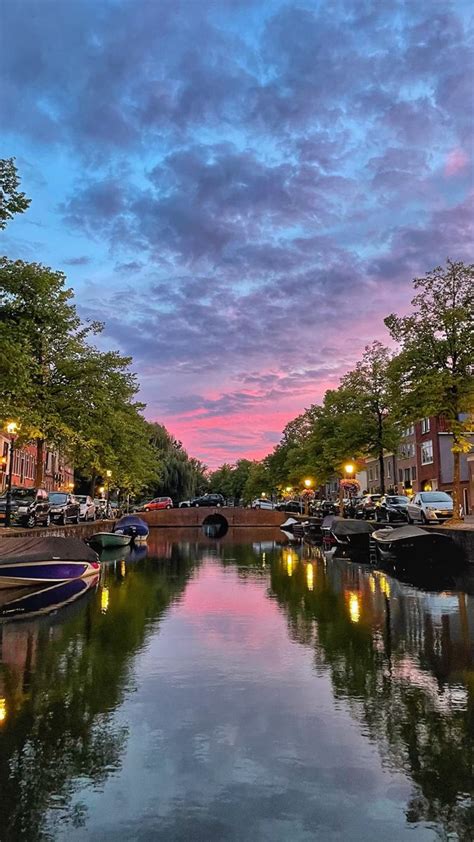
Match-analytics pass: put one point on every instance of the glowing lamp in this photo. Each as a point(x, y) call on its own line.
point(308, 483)
point(12, 428)
point(3, 710)
point(349, 468)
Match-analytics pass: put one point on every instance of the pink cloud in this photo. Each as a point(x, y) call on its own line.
point(456, 161)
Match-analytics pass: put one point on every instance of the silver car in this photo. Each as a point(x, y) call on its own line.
point(87, 507)
point(430, 507)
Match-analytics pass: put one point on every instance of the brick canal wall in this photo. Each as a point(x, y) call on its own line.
point(195, 516)
point(72, 530)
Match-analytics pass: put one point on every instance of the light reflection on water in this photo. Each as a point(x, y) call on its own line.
point(230, 690)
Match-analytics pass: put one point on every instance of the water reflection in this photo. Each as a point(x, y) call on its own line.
point(404, 660)
point(215, 679)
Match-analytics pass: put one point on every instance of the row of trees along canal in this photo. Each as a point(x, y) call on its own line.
point(431, 374)
point(65, 392)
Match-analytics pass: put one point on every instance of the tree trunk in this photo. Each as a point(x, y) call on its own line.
point(380, 449)
point(92, 486)
point(382, 472)
point(456, 483)
point(39, 473)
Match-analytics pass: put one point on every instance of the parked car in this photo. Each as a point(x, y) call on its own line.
point(185, 504)
point(29, 507)
point(430, 507)
point(158, 503)
point(391, 508)
point(367, 506)
point(291, 506)
point(262, 503)
point(208, 500)
point(64, 507)
point(87, 510)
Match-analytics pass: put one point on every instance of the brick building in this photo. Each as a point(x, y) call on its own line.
point(58, 474)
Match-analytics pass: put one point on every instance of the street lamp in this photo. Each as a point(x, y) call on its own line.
point(11, 428)
point(108, 474)
point(349, 471)
point(307, 484)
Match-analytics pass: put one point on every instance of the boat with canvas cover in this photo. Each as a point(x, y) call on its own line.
point(410, 544)
point(26, 602)
point(27, 561)
point(347, 534)
point(109, 539)
point(134, 526)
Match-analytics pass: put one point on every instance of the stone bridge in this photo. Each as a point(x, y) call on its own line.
point(197, 516)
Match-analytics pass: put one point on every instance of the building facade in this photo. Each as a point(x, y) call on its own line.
point(57, 473)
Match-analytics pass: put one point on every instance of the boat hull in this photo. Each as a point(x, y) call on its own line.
point(110, 539)
point(44, 572)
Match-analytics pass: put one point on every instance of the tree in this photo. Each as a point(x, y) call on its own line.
point(367, 425)
point(11, 201)
point(60, 388)
point(435, 366)
point(177, 475)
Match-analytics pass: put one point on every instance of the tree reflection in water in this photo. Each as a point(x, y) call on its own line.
point(60, 682)
point(403, 661)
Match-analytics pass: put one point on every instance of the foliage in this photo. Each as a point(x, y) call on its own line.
point(177, 475)
point(11, 200)
point(434, 368)
point(60, 388)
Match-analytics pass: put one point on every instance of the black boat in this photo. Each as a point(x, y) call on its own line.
point(347, 534)
point(313, 529)
point(410, 544)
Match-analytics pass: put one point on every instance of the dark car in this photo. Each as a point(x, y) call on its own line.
point(64, 507)
point(367, 506)
point(208, 500)
point(291, 506)
point(29, 507)
point(391, 508)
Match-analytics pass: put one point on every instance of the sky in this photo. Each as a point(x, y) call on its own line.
point(240, 190)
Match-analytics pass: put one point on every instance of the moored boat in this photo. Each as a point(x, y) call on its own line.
point(410, 545)
point(133, 526)
point(26, 561)
point(109, 539)
point(348, 534)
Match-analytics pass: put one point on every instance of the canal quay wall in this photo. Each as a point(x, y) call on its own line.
point(72, 530)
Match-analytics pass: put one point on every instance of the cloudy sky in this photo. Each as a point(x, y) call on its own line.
point(240, 189)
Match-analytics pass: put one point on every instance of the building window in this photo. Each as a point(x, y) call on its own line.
point(413, 472)
point(400, 475)
point(408, 431)
point(389, 470)
point(407, 476)
point(426, 452)
point(425, 425)
point(371, 474)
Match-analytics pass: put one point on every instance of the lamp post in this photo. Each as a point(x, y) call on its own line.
point(307, 484)
point(108, 475)
point(12, 427)
point(348, 475)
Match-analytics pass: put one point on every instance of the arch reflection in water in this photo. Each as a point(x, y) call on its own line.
point(215, 526)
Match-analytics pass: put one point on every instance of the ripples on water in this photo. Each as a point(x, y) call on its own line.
point(226, 690)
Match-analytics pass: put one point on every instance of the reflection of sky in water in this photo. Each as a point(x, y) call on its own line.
point(275, 695)
point(230, 723)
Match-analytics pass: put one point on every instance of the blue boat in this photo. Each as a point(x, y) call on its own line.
point(134, 526)
point(31, 561)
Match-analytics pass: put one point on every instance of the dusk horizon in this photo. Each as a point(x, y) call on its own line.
point(241, 192)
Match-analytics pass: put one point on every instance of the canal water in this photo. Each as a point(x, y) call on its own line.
point(222, 690)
